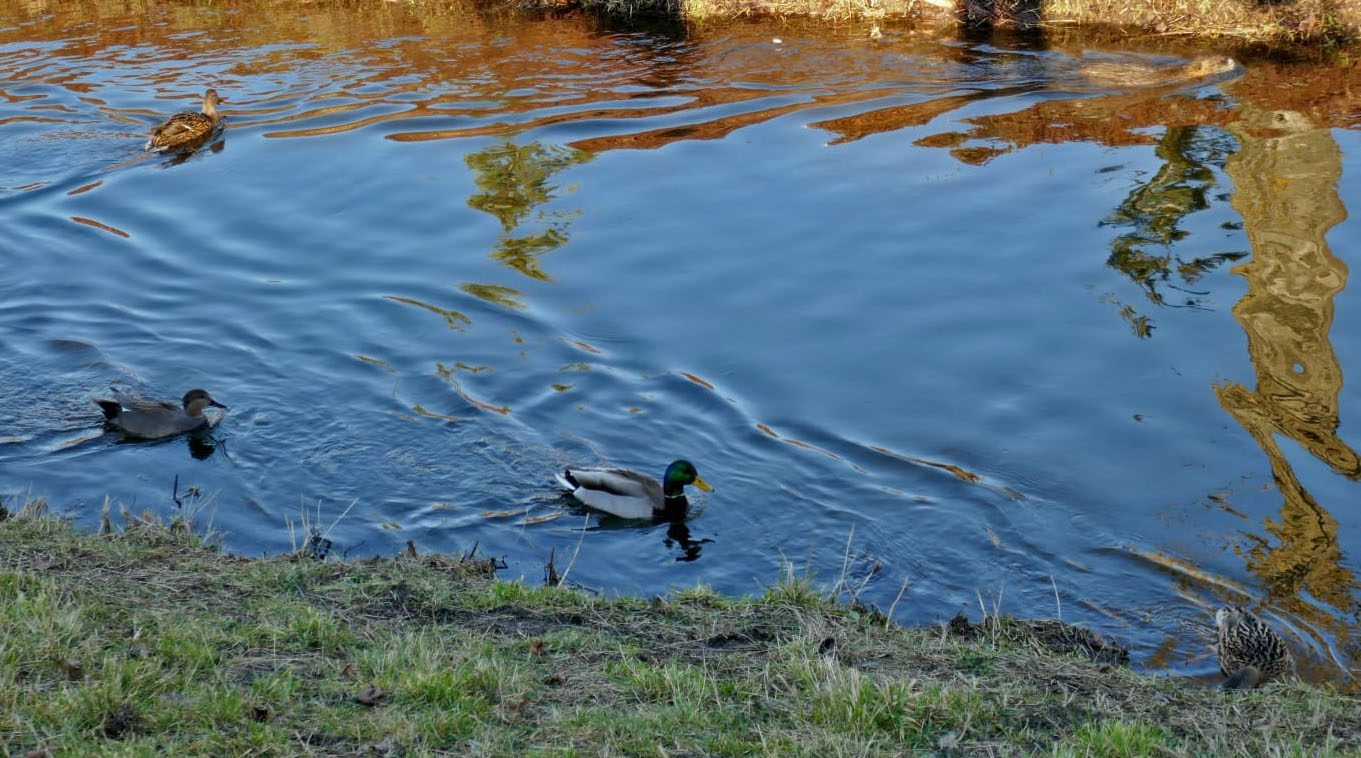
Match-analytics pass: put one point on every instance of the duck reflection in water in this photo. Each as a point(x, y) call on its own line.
point(679, 533)
point(202, 445)
point(180, 155)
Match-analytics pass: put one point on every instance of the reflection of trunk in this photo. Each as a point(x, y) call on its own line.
point(1286, 191)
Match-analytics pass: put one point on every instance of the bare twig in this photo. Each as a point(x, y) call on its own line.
point(845, 562)
point(889, 618)
point(563, 579)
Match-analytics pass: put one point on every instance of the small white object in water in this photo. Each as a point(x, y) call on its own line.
point(875, 33)
point(776, 40)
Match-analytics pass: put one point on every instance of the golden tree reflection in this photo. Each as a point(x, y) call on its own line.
point(514, 181)
point(1286, 175)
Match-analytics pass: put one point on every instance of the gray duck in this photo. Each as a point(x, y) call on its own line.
point(1250, 652)
point(187, 127)
point(154, 419)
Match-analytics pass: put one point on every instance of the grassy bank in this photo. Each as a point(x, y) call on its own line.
point(146, 642)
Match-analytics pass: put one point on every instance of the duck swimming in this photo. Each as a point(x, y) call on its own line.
point(187, 127)
point(1250, 652)
point(154, 419)
point(1132, 74)
point(629, 494)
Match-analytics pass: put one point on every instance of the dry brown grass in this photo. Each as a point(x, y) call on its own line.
point(1288, 21)
point(1273, 22)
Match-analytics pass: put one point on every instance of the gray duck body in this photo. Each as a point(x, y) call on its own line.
point(154, 419)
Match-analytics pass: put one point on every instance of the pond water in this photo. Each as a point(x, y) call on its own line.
point(933, 315)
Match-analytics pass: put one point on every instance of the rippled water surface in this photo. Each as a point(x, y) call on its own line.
point(1023, 340)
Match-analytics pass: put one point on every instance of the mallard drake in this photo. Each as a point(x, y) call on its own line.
point(184, 128)
point(1250, 652)
point(629, 494)
point(153, 419)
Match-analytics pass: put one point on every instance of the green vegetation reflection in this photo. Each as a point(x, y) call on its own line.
point(1153, 214)
point(514, 181)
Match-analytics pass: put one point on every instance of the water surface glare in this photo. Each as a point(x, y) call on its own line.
point(1019, 340)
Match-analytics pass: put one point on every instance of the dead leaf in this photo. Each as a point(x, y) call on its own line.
point(556, 679)
point(517, 707)
point(371, 696)
point(348, 671)
point(42, 752)
point(259, 713)
point(72, 668)
point(536, 647)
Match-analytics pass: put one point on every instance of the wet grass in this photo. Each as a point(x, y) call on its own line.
point(147, 642)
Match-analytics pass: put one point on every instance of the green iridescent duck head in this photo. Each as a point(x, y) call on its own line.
point(679, 474)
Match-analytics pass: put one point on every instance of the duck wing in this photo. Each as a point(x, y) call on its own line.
point(142, 405)
point(182, 127)
point(615, 481)
point(622, 492)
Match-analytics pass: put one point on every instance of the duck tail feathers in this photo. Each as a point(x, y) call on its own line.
point(1244, 679)
point(566, 479)
point(111, 408)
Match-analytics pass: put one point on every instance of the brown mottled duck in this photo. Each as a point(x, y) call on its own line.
point(1250, 652)
point(1135, 74)
point(188, 127)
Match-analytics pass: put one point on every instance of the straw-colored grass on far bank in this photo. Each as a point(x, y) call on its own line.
point(145, 642)
point(1276, 22)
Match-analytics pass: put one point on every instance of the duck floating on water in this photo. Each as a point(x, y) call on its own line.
point(154, 419)
point(1250, 652)
point(1139, 74)
point(188, 127)
point(630, 494)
